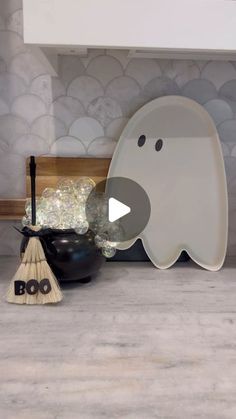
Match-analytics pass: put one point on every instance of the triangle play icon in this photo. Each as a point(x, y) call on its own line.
point(117, 210)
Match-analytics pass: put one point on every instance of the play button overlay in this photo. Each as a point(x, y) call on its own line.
point(116, 210)
point(118, 207)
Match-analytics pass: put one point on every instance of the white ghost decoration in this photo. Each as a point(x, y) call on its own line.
point(171, 148)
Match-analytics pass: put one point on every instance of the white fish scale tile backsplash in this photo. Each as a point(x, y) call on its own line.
point(83, 110)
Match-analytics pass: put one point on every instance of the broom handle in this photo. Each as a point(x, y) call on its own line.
point(33, 189)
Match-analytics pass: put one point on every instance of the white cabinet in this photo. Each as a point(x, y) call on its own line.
point(142, 26)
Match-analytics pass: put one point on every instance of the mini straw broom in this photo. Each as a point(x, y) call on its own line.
point(34, 281)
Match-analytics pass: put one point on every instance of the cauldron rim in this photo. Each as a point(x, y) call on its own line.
point(66, 231)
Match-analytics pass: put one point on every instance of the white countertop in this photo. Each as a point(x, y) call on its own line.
point(134, 343)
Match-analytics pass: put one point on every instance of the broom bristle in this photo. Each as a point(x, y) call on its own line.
point(34, 267)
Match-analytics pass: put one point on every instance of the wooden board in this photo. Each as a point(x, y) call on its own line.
point(12, 209)
point(49, 171)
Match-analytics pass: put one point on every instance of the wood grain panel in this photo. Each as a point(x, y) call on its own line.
point(49, 171)
point(12, 209)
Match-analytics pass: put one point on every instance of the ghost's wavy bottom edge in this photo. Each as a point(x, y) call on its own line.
point(173, 259)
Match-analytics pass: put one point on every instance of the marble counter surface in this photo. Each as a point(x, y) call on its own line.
point(135, 343)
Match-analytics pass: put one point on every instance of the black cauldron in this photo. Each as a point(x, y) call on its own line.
point(72, 257)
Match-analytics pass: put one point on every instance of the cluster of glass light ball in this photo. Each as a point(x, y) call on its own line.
point(65, 208)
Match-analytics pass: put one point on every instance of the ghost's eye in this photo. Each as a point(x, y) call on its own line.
point(141, 140)
point(159, 145)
